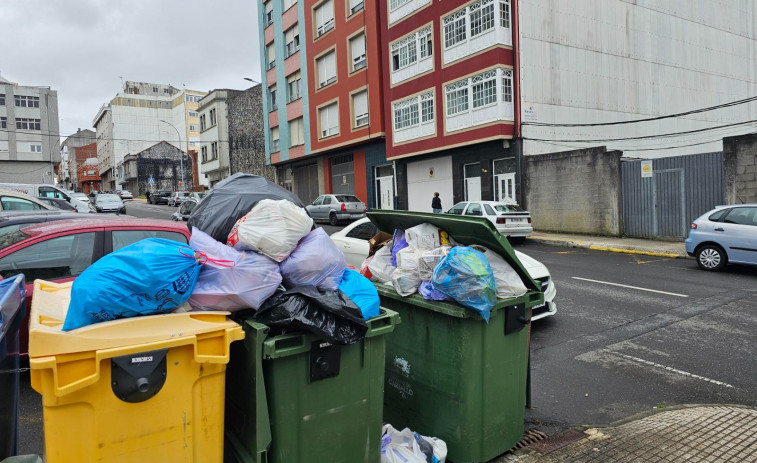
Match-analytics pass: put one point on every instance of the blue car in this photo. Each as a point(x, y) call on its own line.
point(726, 234)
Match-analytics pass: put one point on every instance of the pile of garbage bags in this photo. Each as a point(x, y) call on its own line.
point(427, 260)
point(407, 446)
point(270, 259)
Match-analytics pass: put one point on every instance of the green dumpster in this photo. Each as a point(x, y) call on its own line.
point(295, 398)
point(449, 374)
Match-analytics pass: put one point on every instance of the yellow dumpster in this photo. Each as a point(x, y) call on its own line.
point(145, 389)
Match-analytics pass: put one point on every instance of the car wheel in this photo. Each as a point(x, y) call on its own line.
point(332, 219)
point(711, 257)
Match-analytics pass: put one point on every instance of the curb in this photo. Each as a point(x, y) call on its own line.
point(582, 245)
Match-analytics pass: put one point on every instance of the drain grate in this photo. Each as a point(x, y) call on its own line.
point(531, 437)
point(558, 441)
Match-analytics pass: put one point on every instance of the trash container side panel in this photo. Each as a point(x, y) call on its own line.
point(9, 384)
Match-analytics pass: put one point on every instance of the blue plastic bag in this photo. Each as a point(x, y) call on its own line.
point(316, 261)
point(149, 277)
point(398, 244)
point(464, 275)
point(362, 292)
point(426, 289)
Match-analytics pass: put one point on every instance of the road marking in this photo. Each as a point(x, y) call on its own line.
point(631, 287)
point(631, 251)
point(674, 370)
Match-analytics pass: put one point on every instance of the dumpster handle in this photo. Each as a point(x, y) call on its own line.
point(282, 346)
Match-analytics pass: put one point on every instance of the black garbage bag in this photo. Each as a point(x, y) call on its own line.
point(325, 313)
point(232, 198)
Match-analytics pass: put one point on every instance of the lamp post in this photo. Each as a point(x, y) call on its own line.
point(181, 153)
point(251, 80)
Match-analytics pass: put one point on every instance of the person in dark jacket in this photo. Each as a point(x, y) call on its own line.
point(436, 204)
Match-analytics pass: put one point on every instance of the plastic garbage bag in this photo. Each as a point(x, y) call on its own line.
point(272, 227)
point(407, 259)
point(405, 281)
point(362, 292)
point(232, 280)
point(464, 275)
point(398, 243)
point(428, 260)
point(151, 276)
point(427, 291)
point(407, 446)
point(330, 315)
point(364, 270)
point(381, 265)
point(231, 199)
point(316, 261)
point(508, 281)
point(427, 236)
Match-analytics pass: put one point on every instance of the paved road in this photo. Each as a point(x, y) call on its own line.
point(635, 332)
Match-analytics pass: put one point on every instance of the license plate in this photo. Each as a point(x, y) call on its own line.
point(516, 220)
point(355, 216)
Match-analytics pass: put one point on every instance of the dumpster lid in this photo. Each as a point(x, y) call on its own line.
point(465, 230)
point(12, 301)
point(50, 305)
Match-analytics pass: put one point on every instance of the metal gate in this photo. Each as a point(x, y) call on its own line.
point(678, 190)
point(343, 175)
point(306, 182)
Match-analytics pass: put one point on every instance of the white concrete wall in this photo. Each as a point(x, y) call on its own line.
point(421, 185)
point(588, 61)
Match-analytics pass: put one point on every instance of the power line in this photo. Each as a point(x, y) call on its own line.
point(657, 118)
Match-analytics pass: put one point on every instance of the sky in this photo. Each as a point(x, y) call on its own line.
point(83, 48)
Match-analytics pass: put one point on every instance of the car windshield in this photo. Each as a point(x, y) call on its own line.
point(79, 195)
point(12, 237)
point(347, 199)
point(504, 208)
point(126, 192)
point(182, 194)
point(106, 197)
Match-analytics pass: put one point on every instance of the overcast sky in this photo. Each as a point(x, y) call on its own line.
point(82, 48)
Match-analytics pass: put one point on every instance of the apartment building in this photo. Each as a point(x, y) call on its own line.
point(72, 157)
point(29, 139)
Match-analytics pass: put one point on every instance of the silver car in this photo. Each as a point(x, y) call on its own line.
point(726, 234)
point(336, 207)
point(108, 202)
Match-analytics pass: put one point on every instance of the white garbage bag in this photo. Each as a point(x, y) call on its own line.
point(381, 265)
point(316, 261)
point(509, 283)
point(407, 446)
point(405, 281)
point(427, 236)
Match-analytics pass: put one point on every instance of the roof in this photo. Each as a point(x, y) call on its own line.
point(103, 222)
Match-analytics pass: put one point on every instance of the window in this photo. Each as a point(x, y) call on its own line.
point(504, 13)
point(214, 151)
point(355, 6)
point(23, 101)
point(50, 192)
point(394, 4)
point(484, 89)
point(271, 56)
point(481, 17)
point(318, 201)
point(406, 113)
point(3, 122)
point(454, 28)
point(457, 97)
point(272, 98)
point(289, 3)
point(193, 113)
point(364, 231)
point(11, 203)
point(269, 12)
point(155, 89)
point(294, 86)
point(326, 200)
point(473, 209)
point(213, 120)
point(2, 99)
point(24, 123)
point(357, 46)
point(203, 126)
point(192, 98)
point(292, 39)
point(329, 116)
point(458, 209)
point(507, 86)
point(194, 128)
point(424, 37)
point(489, 210)
point(427, 107)
point(742, 216)
point(204, 151)
point(324, 18)
point(61, 257)
point(275, 145)
point(296, 132)
point(123, 238)
point(404, 52)
point(360, 108)
point(36, 148)
point(326, 69)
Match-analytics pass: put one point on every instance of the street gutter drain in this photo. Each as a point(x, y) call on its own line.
point(531, 437)
point(558, 441)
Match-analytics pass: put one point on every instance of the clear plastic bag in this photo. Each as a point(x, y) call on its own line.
point(509, 283)
point(427, 236)
point(316, 261)
point(405, 281)
point(428, 260)
point(407, 446)
point(464, 275)
point(381, 265)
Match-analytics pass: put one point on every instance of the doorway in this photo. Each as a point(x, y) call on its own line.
point(384, 187)
point(472, 175)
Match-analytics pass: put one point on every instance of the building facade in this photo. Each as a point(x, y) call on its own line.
point(158, 167)
point(29, 138)
point(214, 140)
point(71, 159)
point(246, 137)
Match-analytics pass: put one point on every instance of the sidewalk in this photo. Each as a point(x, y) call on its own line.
point(612, 244)
point(701, 433)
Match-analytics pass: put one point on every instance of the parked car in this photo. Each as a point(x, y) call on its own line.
point(81, 197)
point(726, 234)
point(60, 250)
point(160, 197)
point(510, 219)
point(336, 207)
point(185, 210)
point(108, 202)
point(58, 204)
point(177, 197)
point(15, 201)
point(353, 241)
point(126, 195)
point(13, 220)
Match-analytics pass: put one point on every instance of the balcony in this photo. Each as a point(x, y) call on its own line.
point(399, 9)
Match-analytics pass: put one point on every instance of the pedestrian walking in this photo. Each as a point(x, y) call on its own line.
point(436, 204)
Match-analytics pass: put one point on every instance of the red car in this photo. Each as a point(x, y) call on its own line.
point(59, 251)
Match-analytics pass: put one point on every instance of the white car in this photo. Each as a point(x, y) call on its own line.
point(81, 197)
point(353, 241)
point(509, 218)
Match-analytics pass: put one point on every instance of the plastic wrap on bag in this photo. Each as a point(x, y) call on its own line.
point(151, 276)
point(398, 244)
point(427, 291)
point(427, 236)
point(239, 280)
point(330, 315)
point(509, 283)
point(365, 270)
point(464, 275)
point(231, 199)
point(362, 292)
point(428, 260)
point(407, 446)
point(407, 259)
point(405, 281)
point(316, 261)
point(381, 265)
point(272, 227)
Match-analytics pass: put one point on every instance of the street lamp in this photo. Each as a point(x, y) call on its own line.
point(251, 80)
point(181, 153)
